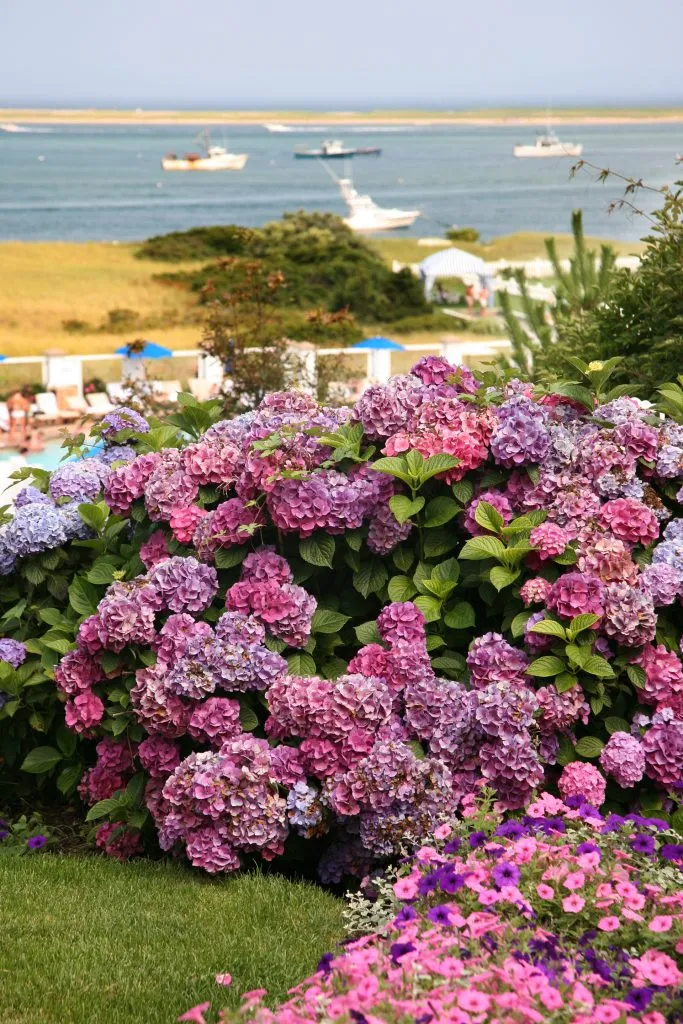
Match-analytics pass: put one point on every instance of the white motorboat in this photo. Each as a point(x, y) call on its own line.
point(278, 128)
point(548, 145)
point(9, 127)
point(214, 158)
point(366, 216)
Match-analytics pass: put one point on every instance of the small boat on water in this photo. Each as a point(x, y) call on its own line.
point(548, 145)
point(333, 149)
point(214, 158)
point(366, 216)
point(9, 127)
point(278, 128)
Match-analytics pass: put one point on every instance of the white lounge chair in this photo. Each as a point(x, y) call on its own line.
point(99, 403)
point(168, 390)
point(50, 411)
point(202, 388)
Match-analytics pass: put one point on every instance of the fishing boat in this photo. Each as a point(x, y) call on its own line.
point(548, 145)
point(333, 149)
point(214, 158)
point(278, 128)
point(365, 216)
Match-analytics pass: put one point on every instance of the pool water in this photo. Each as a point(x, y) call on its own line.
point(49, 458)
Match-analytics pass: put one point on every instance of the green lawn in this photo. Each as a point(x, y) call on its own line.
point(87, 940)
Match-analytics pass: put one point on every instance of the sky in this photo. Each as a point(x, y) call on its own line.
point(356, 54)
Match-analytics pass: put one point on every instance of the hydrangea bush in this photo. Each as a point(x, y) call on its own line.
point(337, 624)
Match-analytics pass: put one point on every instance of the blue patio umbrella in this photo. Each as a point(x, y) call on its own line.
point(2, 359)
point(378, 344)
point(149, 350)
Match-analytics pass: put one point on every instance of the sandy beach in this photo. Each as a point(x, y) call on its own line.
point(482, 118)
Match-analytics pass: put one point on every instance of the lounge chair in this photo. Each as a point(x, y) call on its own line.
point(168, 390)
point(202, 388)
point(115, 393)
point(49, 410)
point(99, 403)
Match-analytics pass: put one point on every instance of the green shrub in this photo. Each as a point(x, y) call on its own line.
point(462, 235)
point(197, 244)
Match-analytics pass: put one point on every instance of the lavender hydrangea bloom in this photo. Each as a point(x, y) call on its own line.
point(31, 496)
point(664, 582)
point(8, 558)
point(79, 481)
point(492, 659)
point(123, 419)
point(33, 529)
point(505, 711)
point(185, 584)
point(629, 615)
point(623, 758)
point(670, 462)
point(117, 453)
point(521, 436)
point(12, 651)
point(74, 526)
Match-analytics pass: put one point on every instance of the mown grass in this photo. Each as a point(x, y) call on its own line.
point(87, 940)
point(522, 245)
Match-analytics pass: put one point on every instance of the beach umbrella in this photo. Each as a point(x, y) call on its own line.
point(379, 356)
point(2, 359)
point(144, 350)
point(450, 263)
point(378, 344)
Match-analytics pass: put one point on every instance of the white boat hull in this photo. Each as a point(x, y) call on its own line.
point(389, 220)
point(556, 149)
point(226, 162)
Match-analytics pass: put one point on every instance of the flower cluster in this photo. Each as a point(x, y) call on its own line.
point(562, 916)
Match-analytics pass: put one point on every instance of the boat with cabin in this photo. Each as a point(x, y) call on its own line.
point(278, 128)
point(213, 158)
point(548, 144)
point(365, 216)
point(333, 149)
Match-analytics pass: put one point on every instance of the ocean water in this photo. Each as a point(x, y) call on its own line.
point(105, 183)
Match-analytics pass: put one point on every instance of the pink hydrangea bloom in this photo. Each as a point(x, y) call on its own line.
point(159, 756)
point(535, 591)
point(623, 758)
point(574, 593)
point(84, 711)
point(549, 539)
point(663, 674)
point(629, 520)
point(401, 620)
point(215, 720)
point(184, 520)
point(579, 779)
point(154, 549)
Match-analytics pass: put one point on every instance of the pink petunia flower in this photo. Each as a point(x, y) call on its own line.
point(609, 924)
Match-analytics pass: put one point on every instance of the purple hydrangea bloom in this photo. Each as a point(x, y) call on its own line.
point(117, 453)
point(664, 582)
point(31, 495)
point(33, 529)
point(12, 651)
point(505, 710)
point(123, 419)
point(492, 659)
point(629, 615)
point(623, 758)
point(184, 584)
point(79, 481)
point(521, 436)
point(670, 462)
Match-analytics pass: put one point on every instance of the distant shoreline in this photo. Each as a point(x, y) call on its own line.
point(483, 118)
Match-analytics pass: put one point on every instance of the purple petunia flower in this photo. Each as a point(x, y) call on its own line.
point(440, 915)
point(642, 843)
point(399, 949)
point(36, 842)
point(505, 873)
point(450, 881)
point(404, 915)
point(640, 998)
point(478, 839)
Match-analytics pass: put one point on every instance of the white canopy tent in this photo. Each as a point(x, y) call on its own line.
point(453, 263)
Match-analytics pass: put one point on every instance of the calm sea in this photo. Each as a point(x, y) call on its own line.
point(106, 183)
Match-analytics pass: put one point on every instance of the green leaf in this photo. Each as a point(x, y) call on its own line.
point(578, 655)
point(367, 633)
point(227, 558)
point(41, 759)
point(59, 644)
point(565, 754)
point(53, 617)
point(393, 467)
point(677, 821)
point(417, 749)
point(437, 464)
point(401, 588)
point(94, 515)
point(440, 511)
point(327, 621)
point(580, 623)
point(403, 508)
point(83, 597)
point(463, 491)
point(548, 627)
point(598, 666)
point(460, 616)
point(565, 681)
point(68, 779)
point(301, 664)
point(614, 724)
point(588, 746)
point(433, 642)
point(637, 676)
point(33, 573)
point(403, 558)
point(429, 606)
point(333, 668)
point(501, 577)
point(451, 664)
point(370, 578)
point(354, 539)
point(518, 624)
point(105, 808)
point(248, 717)
point(576, 392)
point(488, 517)
point(447, 572)
point(568, 556)
point(439, 542)
point(549, 665)
point(317, 550)
point(479, 548)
